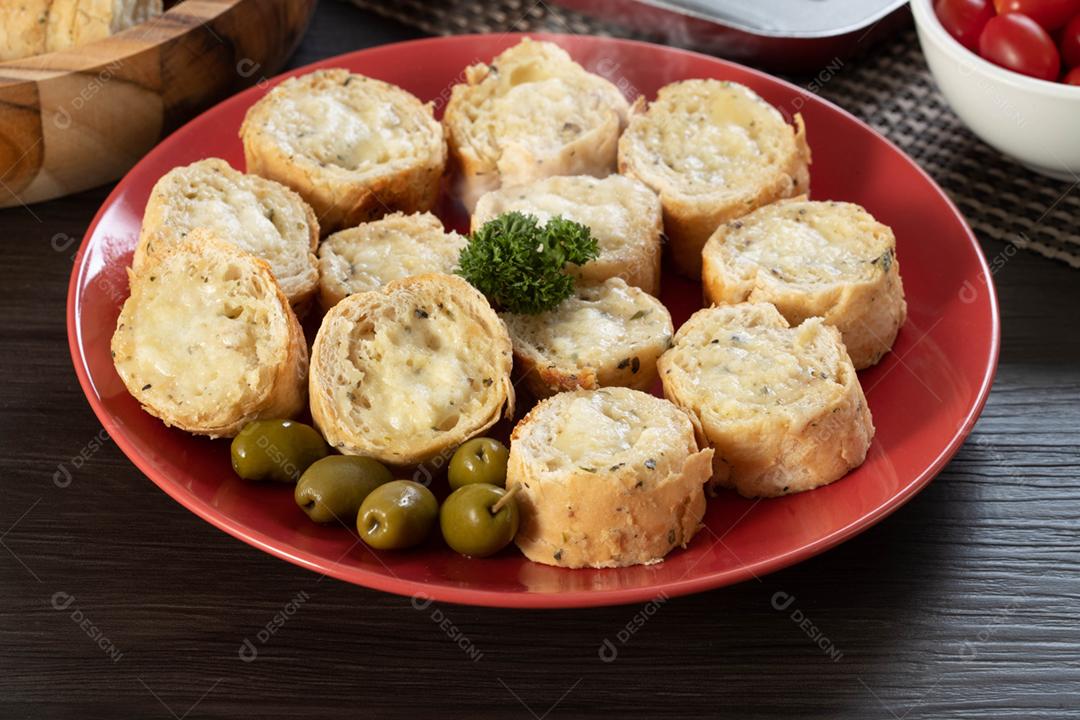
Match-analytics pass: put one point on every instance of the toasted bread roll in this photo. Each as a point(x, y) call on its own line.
point(813, 259)
point(73, 23)
point(354, 147)
point(412, 370)
point(259, 216)
point(370, 255)
point(623, 215)
point(23, 26)
point(607, 334)
point(530, 114)
point(781, 405)
point(207, 341)
point(608, 478)
point(713, 151)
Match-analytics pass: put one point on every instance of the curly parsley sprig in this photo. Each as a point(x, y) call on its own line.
point(520, 265)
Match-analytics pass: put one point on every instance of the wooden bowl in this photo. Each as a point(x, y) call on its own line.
point(78, 118)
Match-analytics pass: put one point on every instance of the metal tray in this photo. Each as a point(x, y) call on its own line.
point(794, 36)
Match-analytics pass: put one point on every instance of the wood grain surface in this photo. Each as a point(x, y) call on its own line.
point(77, 118)
point(115, 602)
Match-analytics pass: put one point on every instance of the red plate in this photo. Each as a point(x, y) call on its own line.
point(925, 395)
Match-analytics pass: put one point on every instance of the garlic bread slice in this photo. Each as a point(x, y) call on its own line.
point(606, 334)
point(782, 406)
point(257, 215)
point(207, 341)
point(530, 114)
point(410, 371)
point(831, 260)
point(712, 150)
point(355, 148)
point(372, 254)
point(608, 478)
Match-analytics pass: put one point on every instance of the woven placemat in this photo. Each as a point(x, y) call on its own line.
point(890, 88)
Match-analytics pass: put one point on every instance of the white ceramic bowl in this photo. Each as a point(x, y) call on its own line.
point(1034, 121)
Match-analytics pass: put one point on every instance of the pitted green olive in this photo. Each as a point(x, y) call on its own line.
point(480, 460)
point(333, 488)
point(471, 526)
point(278, 450)
point(397, 515)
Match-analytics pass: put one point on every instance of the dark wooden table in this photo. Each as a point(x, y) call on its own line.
point(115, 602)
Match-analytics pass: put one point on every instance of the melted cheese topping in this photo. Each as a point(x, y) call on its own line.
point(622, 213)
point(596, 430)
point(199, 337)
point(707, 136)
point(414, 371)
point(736, 370)
point(600, 325)
point(356, 124)
point(371, 255)
point(809, 243)
point(542, 116)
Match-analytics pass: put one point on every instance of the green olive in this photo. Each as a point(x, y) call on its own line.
point(470, 527)
point(480, 460)
point(397, 515)
point(276, 450)
point(334, 488)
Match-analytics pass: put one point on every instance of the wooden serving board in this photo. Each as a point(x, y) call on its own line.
point(78, 118)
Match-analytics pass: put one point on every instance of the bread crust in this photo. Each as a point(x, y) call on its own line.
point(372, 254)
point(843, 268)
point(782, 406)
point(667, 146)
point(200, 390)
point(258, 215)
point(623, 214)
point(410, 371)
point(288, 137)
point(606, 335)
point(527, 88)
point(644, 500)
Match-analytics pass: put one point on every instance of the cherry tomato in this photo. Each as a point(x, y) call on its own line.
point(1072, 77)
point(964, 19)
point(1070, 43)
point(1050, 14)
point(1017, 42)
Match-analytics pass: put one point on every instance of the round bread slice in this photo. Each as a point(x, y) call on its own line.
point(410, 371)
point(609, 478)
point(813, 259)
point(781, 405)
point(530, 114)
point(623, 215)
point(713, 151)
point(354, 147)
point(207, 341)
point(604, 335)
point(259, 216)
point(370, 255)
